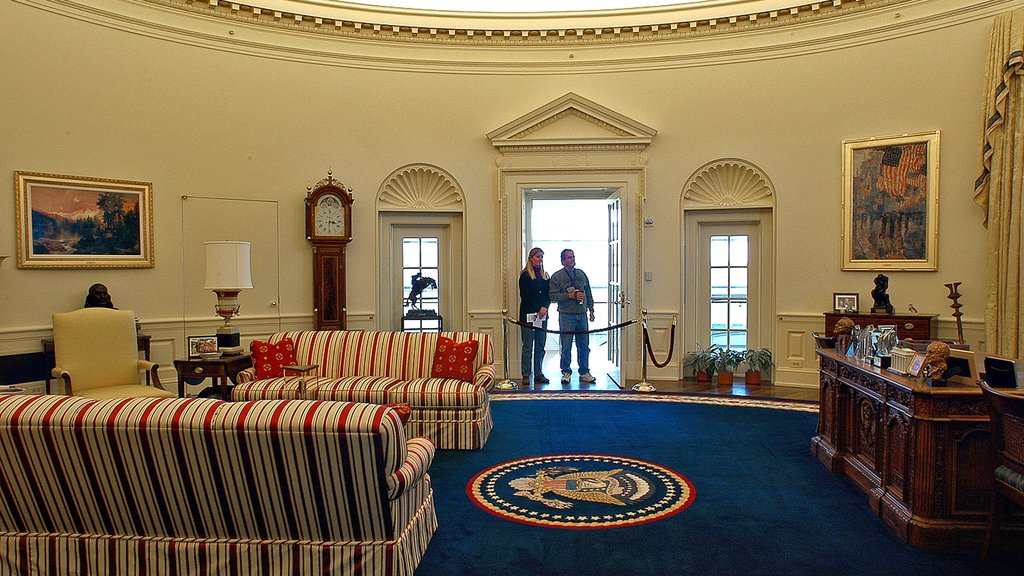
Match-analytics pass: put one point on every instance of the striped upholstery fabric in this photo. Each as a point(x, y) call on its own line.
point(197, 486)
point(385, 367)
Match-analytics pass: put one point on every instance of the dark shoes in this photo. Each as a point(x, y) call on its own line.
point(541, 379)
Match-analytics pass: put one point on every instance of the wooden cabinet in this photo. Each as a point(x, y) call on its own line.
point(916, 326)
point(922, 454)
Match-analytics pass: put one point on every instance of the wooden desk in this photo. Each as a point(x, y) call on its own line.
point(143, 342)
point(916, 326)
point(219, 369)
point(920, 453)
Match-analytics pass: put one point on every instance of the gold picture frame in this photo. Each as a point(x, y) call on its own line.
point(891, 203)
point(82, 222)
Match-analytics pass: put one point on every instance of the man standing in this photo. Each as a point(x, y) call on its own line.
point(570, 288)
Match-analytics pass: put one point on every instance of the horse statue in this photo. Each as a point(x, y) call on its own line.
point(419, 284)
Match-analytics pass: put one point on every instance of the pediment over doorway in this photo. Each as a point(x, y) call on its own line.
point(572, 122)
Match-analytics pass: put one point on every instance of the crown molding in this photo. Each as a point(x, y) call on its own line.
point(710, 33)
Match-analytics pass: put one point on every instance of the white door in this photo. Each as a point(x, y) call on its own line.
point(729, 279)
point(616, 296)
point(424, 248)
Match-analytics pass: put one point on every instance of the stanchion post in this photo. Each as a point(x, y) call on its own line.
point(505, 383)
point(643, 385)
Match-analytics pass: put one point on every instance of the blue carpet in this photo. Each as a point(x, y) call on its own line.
point(764, 504)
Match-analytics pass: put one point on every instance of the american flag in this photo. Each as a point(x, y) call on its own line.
point(897, 163)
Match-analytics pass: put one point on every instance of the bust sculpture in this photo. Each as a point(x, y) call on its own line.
point(882, 303)
point(935, 360)
point(843, 326)
point(98, 297)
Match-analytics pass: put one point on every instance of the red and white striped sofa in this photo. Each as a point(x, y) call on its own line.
point(384, 368)
point(206, 487)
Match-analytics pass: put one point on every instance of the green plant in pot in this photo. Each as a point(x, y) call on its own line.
point(726, 361)
point(702, 362)
point(759, 362)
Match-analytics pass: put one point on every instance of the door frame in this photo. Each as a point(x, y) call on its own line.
point(513, 184)
point(761, 219)
point(449, 292)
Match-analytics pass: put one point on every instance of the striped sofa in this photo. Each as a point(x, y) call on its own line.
point(383, 368)
point(205, 487)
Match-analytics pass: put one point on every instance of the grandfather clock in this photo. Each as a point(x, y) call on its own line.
point(329, 230)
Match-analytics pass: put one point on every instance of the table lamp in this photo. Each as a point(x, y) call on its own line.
point(228, 273)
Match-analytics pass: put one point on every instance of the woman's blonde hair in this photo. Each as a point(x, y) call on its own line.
point(529, 269)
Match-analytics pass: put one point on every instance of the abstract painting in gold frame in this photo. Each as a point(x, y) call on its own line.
point(80, 222)
point(891, 203)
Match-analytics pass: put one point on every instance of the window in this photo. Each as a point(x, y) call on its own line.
point(420, 256)
point(728, 274)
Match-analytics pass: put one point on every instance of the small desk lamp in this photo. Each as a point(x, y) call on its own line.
point(227, 273)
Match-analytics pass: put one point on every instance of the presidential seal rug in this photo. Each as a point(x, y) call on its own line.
point(581, 491)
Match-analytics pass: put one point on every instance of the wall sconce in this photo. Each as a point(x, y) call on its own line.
point(228, 272)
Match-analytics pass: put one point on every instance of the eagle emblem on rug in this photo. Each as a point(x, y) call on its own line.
point(616, 487)
point(580, 491)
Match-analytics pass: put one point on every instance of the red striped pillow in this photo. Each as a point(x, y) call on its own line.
point(454, 359)
point(268, 358)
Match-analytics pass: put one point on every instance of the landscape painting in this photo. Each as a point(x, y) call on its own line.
point(75, 222)
point(890, 203)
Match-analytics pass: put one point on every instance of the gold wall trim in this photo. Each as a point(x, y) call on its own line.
point(653, 39)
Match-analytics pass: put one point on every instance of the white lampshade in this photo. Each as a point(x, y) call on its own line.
point(227, 265)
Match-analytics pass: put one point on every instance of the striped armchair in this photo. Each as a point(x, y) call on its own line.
point(383, 368)
point(205, 487)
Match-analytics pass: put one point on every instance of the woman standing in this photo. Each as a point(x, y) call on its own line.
point(534, 299)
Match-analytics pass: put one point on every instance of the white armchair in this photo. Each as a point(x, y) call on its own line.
point(96, 355)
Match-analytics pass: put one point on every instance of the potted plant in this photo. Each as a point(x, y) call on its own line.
point(702, 361)
point(758, 362)
point(726, 361)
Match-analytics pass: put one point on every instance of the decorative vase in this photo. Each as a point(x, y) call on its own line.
point(703, 376)
point(752, 377)
point(725, 378)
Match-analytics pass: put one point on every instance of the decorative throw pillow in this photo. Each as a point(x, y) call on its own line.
point(454, 359)
point(268, 358)
point(402, 409)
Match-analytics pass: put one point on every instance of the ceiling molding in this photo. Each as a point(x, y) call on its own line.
point(530, 45)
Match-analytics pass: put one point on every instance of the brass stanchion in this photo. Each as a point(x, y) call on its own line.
point(505, 383)
point(643, 385)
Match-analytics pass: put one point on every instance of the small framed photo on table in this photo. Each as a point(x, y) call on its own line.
point(846, 302)
point(916, 363)
point(200, 346)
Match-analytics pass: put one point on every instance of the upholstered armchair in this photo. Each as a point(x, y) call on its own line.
point(96, 355)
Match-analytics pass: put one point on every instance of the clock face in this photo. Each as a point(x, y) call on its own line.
point(329, 216)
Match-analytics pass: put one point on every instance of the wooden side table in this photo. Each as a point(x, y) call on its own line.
point(48, 354)
point(219, 369)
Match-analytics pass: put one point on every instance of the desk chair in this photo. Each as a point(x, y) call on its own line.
point(1007, 414)
point(822, 341)
point(96, 354)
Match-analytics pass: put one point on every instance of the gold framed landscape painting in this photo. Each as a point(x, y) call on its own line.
point(891, 203)
point(80, 222)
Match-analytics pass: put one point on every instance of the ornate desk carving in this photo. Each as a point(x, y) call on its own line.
point(921, 454)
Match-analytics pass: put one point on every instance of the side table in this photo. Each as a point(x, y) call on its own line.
point(219, 369)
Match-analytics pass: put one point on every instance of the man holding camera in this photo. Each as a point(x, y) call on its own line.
point(570, 289)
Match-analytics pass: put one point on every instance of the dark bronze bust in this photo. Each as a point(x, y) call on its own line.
point(882, 304)
point(98, 297)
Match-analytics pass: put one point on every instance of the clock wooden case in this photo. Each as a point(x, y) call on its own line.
point(329, 230)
